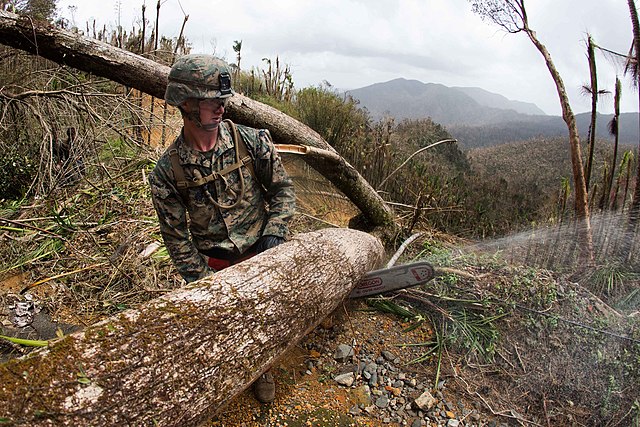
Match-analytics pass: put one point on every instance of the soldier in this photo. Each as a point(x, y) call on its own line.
point(228, 178)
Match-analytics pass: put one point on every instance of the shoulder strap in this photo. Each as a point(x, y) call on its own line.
point(243, 157)
point(243, 153)
point(178, 171)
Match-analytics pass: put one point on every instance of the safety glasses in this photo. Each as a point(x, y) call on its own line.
point(213, 103)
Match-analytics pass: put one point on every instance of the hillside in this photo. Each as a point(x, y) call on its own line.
point(483, 340)
point(411, 99)
point(511, 331)
point(470, 136)
point(494, 100)
point(477, 117)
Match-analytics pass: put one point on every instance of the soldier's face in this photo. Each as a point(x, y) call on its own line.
point(211, 111)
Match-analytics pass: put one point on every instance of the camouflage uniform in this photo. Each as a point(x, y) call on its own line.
point(265, 209)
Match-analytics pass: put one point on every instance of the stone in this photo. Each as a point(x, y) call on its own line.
point(373, 381)
point(425, 401)
point(345, 379)
point(361, 395)
point(393, 390)
point(343, 353)
point(388, 355)
point(371, 368)
point(382, 402)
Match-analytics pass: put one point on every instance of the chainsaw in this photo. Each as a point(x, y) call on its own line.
point(393, 279)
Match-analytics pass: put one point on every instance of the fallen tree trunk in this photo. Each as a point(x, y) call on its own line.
point(93, 56)
point(179, 358)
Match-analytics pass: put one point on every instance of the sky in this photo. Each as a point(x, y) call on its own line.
point(356, 43)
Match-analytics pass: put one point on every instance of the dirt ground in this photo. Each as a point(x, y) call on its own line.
point(563, 357)
point(573, 363)
point(310, 397)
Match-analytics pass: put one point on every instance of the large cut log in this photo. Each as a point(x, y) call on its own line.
point(99, 58)
point(177, 359)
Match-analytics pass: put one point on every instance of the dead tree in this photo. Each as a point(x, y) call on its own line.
point(179, 358)
point(129, 69)
point(511, 15)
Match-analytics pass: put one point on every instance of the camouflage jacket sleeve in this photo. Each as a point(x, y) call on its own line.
point(277, 183)
point(172, 216)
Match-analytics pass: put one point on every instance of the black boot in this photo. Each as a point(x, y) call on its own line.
point(264, 388)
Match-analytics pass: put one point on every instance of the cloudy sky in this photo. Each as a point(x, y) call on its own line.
point(355, 43)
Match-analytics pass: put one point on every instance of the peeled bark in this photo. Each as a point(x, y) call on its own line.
point(179, 358)
point(101, 59)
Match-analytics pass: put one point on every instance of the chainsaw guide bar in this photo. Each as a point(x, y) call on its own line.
point(392, 279)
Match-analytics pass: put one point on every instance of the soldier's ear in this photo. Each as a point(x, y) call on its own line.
point(186, 108)
point(189, 105)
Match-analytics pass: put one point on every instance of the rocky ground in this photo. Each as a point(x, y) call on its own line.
point(359, 371)
point(562, 358)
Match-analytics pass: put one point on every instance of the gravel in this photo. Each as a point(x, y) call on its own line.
point(396, 395)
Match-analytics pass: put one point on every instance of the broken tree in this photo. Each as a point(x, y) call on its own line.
point(178, 358)
point(93, 56)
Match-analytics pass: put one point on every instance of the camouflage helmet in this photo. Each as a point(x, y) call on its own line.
point(198, 76)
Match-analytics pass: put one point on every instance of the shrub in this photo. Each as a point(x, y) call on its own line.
point(17, 171)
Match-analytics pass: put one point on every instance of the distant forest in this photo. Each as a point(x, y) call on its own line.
point(476, 117)
point(541, 126)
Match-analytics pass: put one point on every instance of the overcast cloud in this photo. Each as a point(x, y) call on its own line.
point(352, 43)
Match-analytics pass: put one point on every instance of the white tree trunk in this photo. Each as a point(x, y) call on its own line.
point(179, 358)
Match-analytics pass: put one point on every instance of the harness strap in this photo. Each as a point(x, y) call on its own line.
point(241, 149)
point(242, 159)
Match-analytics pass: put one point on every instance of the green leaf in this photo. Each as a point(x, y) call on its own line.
point(28, 343)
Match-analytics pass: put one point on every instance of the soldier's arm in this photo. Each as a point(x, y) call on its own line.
point(172, 218)
point(280, 194)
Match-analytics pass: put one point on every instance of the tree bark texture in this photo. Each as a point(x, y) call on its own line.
point(121, 66)
point(591, 56)
point(179, 358)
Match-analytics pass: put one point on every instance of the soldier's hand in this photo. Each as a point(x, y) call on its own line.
point(268, 242)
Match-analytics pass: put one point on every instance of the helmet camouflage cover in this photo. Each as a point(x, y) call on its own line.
point(198, 76)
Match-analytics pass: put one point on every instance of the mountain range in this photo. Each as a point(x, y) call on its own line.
point(477, 117)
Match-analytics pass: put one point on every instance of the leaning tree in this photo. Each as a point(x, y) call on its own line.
point(511, 15)
point(124, 67)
